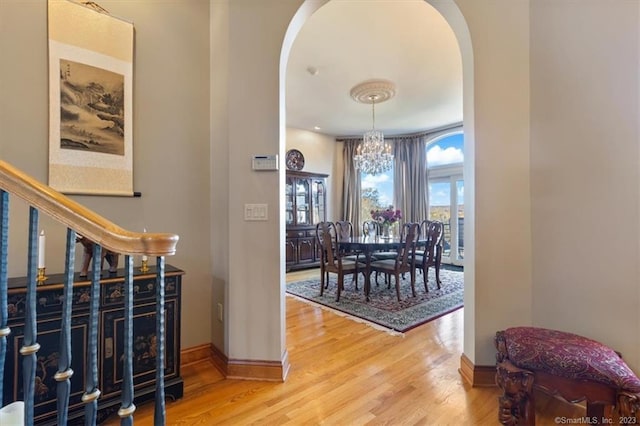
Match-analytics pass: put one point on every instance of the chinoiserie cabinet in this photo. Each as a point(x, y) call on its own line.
point(110, 341)
point(306, 206)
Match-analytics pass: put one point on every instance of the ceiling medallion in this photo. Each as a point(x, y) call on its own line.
point(382, 90)
point(373, 155)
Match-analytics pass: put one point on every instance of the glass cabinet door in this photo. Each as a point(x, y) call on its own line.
point(303, 199)
point(319, 200)
point(289, 201)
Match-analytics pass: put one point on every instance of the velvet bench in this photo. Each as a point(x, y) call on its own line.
point(564, 364)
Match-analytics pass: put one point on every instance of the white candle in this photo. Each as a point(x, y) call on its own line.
point(41, 242)
point(144, 257)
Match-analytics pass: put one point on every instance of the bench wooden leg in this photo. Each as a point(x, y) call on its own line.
point(629, 405)
point(516, 403)
point(596, 412)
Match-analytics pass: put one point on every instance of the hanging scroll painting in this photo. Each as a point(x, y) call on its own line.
point(90, 100)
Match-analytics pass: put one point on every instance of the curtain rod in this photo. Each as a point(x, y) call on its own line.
point(407, 136)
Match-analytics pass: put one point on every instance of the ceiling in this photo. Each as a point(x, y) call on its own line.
point(347, 42)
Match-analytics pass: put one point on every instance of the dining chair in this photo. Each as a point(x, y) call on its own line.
point(403, 262)
point(385, 254)
point(432, 254)
point(334, 262)
point(344, 232)
point(370, 228)
point(324, 275)
point(344, 229)
point(423, 235)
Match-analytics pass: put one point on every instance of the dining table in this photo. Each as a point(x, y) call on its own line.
point(367, 245)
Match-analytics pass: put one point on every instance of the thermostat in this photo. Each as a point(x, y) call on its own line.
point(265, 162)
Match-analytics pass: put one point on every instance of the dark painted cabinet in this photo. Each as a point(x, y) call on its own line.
point(305, 207)
point(110, 341)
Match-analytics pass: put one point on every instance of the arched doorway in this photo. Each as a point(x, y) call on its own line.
point(451, 13)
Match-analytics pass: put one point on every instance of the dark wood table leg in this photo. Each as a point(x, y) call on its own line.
point(367, 275)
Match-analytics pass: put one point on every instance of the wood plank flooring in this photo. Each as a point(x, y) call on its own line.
point(348, 373)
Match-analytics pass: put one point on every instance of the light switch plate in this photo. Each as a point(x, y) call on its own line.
point(256, 212)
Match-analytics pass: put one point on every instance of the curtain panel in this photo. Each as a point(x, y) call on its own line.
point(351, 186)
point(410, 186)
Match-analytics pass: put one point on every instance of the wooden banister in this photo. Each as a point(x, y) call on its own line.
point(82, 220)
point(105, 235)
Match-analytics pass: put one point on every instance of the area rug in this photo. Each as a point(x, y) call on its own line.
point(384, 309)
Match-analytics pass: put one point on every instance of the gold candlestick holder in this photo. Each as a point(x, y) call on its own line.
point(41, 278)
point(144, 267)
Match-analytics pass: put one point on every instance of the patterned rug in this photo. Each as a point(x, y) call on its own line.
point(384, 309)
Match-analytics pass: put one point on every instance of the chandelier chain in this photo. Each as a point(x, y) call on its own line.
point(373, 110)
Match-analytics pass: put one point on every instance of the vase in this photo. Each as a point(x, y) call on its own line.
point(385, 231)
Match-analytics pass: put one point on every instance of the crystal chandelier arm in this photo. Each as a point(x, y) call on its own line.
point(373, 155)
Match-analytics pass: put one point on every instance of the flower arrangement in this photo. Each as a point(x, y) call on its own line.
point(389, 216)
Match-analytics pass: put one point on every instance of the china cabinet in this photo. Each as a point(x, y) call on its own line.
point(305, 207)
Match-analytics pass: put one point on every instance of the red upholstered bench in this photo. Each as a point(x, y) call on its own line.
point(564, 364)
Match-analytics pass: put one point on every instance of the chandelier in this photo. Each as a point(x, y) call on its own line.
point(373, 155)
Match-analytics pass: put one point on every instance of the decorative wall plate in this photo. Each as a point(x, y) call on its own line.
point(294, 160)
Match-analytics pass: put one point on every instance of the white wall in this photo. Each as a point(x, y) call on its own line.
point(255, 308)
point(556, 170)
point(501, 292)
point(584, 170)
point(219, 163)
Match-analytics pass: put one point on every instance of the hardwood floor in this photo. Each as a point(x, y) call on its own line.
point(347, 373)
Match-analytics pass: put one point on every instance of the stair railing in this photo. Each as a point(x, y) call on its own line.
point(106, 236)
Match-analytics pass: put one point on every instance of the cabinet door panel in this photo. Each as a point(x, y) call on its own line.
point(144, 346)
point(47, 365)
point(303, 202)
point(319, 201)
point(289, 201)
point(291, 249)
point(306, 250)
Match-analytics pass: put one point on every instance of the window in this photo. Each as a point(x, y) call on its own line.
point(376, 192)
point(445, 158)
